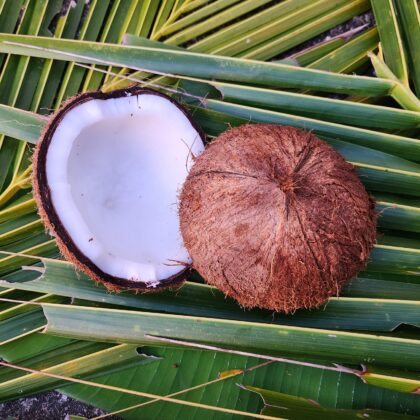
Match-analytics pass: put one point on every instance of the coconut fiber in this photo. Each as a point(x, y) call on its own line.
point(275, 218)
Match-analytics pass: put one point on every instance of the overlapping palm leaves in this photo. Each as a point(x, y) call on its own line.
point(206, 52)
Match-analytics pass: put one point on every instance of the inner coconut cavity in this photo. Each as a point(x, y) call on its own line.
point(115, 168)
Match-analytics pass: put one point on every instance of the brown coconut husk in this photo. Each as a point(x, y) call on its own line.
point(276, 218)
point(51, 219)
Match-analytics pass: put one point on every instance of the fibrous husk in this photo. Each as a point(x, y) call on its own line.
point(275, 218)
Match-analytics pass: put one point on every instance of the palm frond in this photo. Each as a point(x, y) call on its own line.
point(198, 48)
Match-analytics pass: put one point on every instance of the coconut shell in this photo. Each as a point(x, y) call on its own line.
point(51, 219)
point(276, 218)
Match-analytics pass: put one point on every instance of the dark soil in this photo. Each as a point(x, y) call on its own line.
point(48, 406)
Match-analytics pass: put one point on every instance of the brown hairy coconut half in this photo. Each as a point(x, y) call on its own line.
point(108, 170)
point(275, 218)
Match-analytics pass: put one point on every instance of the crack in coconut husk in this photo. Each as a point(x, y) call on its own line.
point(275, 218)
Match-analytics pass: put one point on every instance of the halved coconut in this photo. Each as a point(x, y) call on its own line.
point(108, 170)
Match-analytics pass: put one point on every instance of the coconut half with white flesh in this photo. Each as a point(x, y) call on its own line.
point(108, 170)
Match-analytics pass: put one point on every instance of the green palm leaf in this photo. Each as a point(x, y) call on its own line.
point(375, 320)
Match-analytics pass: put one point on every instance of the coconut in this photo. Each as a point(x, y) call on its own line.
point(108, 170)
point(275, 218)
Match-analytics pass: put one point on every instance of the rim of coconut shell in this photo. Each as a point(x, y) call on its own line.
point(48, 213)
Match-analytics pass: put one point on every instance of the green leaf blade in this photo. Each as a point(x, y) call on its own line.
point(390, 36)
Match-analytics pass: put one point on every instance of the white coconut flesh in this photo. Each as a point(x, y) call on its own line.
point(115, 169)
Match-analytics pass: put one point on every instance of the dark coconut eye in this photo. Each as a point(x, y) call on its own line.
point(108, 171)
point(275, 218)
